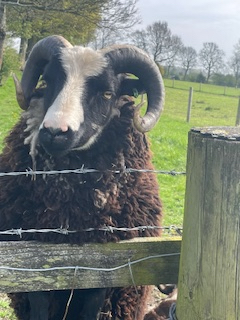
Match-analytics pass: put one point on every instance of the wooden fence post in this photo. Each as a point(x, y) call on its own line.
point(238, 114)
point(200, 86)
point(189, 103)
point(209, 275)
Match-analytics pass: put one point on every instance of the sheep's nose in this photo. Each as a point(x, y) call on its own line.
point(62, 128)
point(55, 140)
point(55, 131)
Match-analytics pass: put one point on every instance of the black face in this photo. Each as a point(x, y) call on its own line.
point(79, 106)
point(98, 100)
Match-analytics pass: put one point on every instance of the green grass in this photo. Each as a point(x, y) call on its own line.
point(9, 109)
point(169, 137)
point(203, 87)
point(169, 145)
point(6, 312)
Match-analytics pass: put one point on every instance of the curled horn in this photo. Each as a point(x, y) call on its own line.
point(40, 55)
point(130, 59)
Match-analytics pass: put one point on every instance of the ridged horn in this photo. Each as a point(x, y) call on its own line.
point(130, 59)
point(19, 93)
point(40, 55)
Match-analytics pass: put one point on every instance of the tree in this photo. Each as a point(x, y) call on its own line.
point(2, 30)
point(77, 20)
point(159, 42)
point(139, 38)
point(175, 46)
point(234, 63)
point(211, 58)
point(188, 59)
point(117, 18)
point(31, 25)
point(10, 62)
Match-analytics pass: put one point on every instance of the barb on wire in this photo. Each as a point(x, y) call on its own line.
point(19, 232)
point(83, 170)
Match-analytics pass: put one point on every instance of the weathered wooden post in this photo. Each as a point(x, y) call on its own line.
point(209, 275)
point(200, 86)
point(238, 114)
point(189, 103)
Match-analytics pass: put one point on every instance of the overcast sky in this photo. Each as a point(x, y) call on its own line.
point(196, 21)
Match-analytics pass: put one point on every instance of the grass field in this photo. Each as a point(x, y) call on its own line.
point(202, 87)
point(168, 139)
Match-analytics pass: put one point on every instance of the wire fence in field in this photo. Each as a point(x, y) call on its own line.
point(203, 87)
point(29, 172)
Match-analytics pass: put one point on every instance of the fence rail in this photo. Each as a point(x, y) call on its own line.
point(34, 266)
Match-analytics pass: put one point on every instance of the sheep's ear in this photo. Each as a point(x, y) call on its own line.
point(131, 87)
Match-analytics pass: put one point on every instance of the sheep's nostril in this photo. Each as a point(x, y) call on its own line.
point(55, 141)
point(55, 131)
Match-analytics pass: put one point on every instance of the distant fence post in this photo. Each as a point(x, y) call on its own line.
point(200, 86)
point(209, 274)
point(238, 113)
point(189, 103)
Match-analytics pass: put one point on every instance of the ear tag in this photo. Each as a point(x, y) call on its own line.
point(135, 93)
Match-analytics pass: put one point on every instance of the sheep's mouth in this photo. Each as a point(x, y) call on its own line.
point(56, 143)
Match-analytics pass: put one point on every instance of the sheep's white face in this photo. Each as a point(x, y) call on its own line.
point(67, 110)
point(79, 100)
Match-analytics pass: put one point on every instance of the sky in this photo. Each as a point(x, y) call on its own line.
point(196, 21)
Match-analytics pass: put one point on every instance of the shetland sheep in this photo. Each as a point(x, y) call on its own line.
point(82, 114)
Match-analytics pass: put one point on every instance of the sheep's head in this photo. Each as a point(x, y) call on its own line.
point(82, 93)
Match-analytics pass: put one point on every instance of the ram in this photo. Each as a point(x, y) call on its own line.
point(78, 111)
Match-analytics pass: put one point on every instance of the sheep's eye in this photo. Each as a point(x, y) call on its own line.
point(107, 95)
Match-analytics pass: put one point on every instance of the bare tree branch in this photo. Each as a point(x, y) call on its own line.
point(234, 63)
point(211, 58)
point(188, 58)
point(159, 42)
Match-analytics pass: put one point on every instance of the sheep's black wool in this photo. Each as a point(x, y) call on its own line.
point(80, 201)
point(51, 135)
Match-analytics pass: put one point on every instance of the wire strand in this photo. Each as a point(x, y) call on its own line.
point(76, 268)
point(83, 170)
point(19, 231)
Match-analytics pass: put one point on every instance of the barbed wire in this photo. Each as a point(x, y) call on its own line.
point(83, 170)
point(64, 231)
